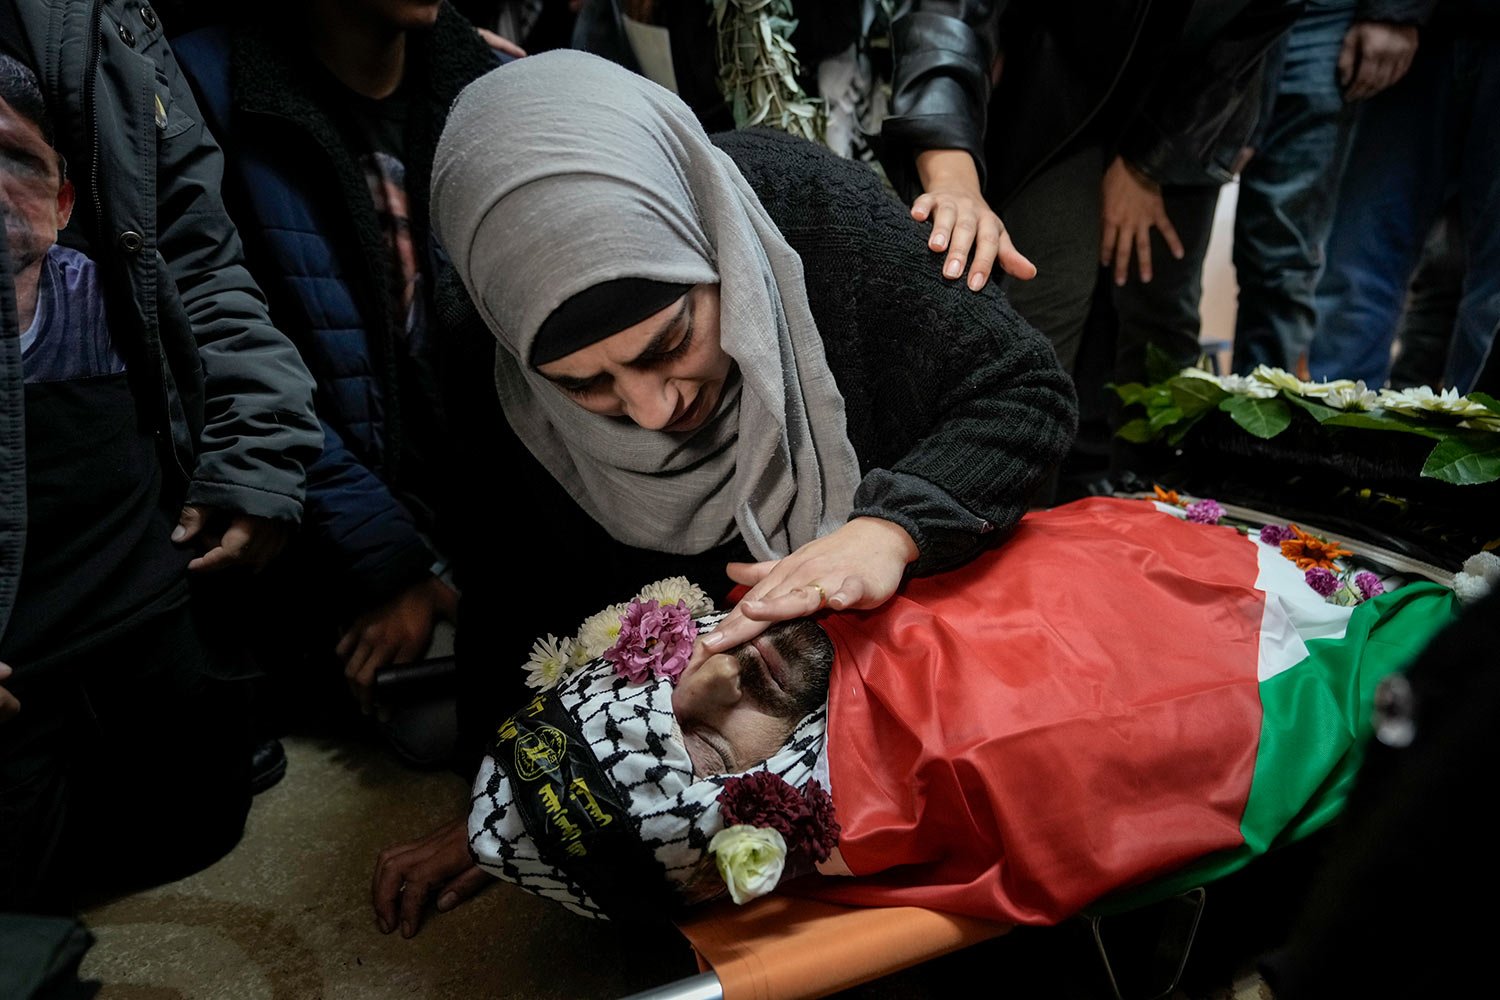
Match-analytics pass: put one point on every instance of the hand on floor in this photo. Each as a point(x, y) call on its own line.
point(408, 875)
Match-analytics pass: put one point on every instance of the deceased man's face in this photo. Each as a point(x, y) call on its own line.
point(737, 708)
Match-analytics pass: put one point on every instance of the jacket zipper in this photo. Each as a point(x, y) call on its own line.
point(91, 72)
point(96, 20)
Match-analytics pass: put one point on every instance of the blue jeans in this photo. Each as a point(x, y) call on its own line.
point(1430, 137)
point(1288, 191)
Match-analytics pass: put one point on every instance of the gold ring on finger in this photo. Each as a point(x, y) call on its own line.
point(822, 594)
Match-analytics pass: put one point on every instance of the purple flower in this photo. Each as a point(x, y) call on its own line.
point(1321, 580)
point(1205, 512)
point(1369, 584)
point(1275, 534)
point(655, 641)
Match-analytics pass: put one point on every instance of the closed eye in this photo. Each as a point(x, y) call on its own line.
point(712, 756)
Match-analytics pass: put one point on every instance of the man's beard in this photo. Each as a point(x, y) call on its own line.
point(808, 654)
point(23, 244)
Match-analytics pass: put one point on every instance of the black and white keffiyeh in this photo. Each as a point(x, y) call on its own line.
point(639, 746)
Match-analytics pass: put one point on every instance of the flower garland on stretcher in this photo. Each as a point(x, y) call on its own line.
point(1317, 557)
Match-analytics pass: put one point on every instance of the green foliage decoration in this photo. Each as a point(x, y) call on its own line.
point(758, 68)
point(1465, 430)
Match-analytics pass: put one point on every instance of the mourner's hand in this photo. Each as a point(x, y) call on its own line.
point(500, 43)
point(1374, 56)
point(858, 566)
point(9, 705)
point(398, 631)
point(1132, 205)
point(408, 875)
point(962, 220)
point(229, 539)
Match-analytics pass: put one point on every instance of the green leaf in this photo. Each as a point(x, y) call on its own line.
point(1265, 418)
point(1384, 422)
point(1319, 412)
point(1195, 395)
point(1164, 416)
point(1149, 396)
point(1160, 365)
point(1464, 460)
point(1177, 433)
point(1485, 400)
point(1137, 431)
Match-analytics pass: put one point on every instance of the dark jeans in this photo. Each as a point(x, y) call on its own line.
point(1428, 138)
point(1287, 193)
point(1431, 307)
point(125, 767)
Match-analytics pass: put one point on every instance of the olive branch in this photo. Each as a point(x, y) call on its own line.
point(758, 68)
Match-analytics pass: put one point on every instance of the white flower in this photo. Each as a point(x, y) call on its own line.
point(550, 659)
point(1483, 564)
point(1244, 385)
point(597, 633)
point(1480, 574)
point(1280, 379)
point(1423, 399)
point(1343, 394)
point(1200, 373)
point(750, 859)
point(675, 588)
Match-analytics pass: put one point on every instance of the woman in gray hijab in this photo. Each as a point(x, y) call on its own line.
point(736, 339)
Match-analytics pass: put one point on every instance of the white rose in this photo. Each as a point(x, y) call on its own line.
point(750, 859)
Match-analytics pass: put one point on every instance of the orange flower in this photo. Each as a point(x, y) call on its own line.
point(1167, 496)
point(1309, 551)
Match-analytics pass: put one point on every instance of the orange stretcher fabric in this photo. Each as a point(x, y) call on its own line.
point(785, 948)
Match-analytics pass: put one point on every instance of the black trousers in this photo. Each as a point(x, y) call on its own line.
point(125, 767)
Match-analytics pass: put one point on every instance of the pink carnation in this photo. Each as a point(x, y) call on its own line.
point(1369, 584)
point(1275, 534)
point(1321, 580)
point(1205, 512)
point(655, 641)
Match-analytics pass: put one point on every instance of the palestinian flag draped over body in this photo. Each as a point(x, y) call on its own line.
point(1113, 698)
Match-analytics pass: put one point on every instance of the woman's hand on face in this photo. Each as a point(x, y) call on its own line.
point(858, 566)
point(962, 220)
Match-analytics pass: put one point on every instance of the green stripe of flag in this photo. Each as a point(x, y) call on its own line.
point(1315, 723)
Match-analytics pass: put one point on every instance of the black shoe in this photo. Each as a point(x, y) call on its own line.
point(267, 765)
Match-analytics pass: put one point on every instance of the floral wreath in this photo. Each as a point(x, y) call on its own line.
point(1322, 560)
point(1464, 429)
point(649, 636)
point(769, 825)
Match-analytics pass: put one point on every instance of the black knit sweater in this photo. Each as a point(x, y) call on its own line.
point(955, 406)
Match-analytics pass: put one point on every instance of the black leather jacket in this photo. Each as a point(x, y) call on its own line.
point(1169, 84)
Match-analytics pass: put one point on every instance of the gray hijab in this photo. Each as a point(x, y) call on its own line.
point(563, 170)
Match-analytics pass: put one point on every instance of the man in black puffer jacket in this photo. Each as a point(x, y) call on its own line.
point(328, 132)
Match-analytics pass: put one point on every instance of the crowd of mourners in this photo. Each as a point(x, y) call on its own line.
point(322, 319)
